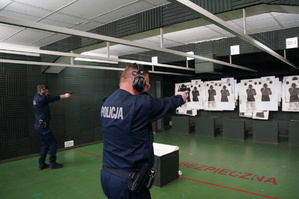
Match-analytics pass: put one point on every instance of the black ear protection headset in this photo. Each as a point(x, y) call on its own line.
point(139, 82)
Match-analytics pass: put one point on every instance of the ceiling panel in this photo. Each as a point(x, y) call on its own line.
point(48, 40)
point(85, 26)
point(67, 19)
point(46, 4)
point(7, 31)
point(27, 36)
point(26, 9)
point(88, 14)
point(18, 15)
point(94, 7)
point(288, 20)
point(260, 21)
point(56, 23)
point(3, 3)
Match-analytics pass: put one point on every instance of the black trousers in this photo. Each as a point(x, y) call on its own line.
point(48, 144)
point(116, 187)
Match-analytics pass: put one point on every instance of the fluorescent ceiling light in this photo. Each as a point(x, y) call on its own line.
point(14, 49)
point(96, 60)
point(191, 53)
point(207, 40)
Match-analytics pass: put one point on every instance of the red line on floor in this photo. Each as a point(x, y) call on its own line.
point(88, 153)
point(227, 187)
point(197, 180)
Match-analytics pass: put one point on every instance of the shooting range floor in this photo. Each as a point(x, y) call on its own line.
point(212, 168)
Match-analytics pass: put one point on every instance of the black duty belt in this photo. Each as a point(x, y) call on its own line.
point(117, 172)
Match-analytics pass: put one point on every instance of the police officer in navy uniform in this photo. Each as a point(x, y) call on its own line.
point(125, 119)
point(41, 126)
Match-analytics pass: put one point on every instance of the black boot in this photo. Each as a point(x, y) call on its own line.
point(55, 166)
point(43, 166)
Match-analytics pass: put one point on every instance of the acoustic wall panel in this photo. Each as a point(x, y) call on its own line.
point(72, 125)
point(35, 144)
point(18, 147)
point(89, 119)
point(108, 29)
point(34, 70)
point(3, 130)
point(98, 133)
point(150, 19)
point(71, 84)
point(173, 14)
point(2, 107)
point(16, 106)
point(57, 123)
point(85, 136)
point(3, 150)
point(72, 106)
point(58, 106)
point(56, 84)
point(16, 85)
point(16, 69)
point(1, 67)
point(126, 26)
point(17, 127)
point(244, 3)
point(2, 85)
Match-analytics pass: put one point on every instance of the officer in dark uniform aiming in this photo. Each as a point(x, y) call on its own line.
point(126, 118)
point(41, 126)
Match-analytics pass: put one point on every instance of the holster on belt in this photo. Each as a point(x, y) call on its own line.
point(143, 177)
point(42, 123)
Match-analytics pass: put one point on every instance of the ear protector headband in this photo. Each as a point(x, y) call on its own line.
point(139, 82)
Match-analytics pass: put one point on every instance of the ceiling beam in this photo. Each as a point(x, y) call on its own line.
point(194, 8)
point(51, 28)
point(81, 66)
point(74, 55)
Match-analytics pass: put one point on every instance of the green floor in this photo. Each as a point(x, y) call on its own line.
point(212, 168)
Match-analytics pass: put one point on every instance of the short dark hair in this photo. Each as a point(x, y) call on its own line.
point(41, 88)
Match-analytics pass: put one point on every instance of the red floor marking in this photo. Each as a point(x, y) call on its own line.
point(197, 180)
point(227, 187)
point(88, 153)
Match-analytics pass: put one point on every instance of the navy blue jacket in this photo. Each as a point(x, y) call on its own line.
point(41, 107)
point(126, 126)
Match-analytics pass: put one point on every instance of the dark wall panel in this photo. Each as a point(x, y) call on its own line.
point(173, 14)
point(17, 128)
point(16, 84)
point(244, 3)
point(3, 130)
point(127, 26)
point(108, 30)
point(2, 106)
point(215, 6)
point(3, 150)
point(16, 106)
point(150, 19)
point(18, 147)
point(72, 125)
point(34, 144)
point(76, 118)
